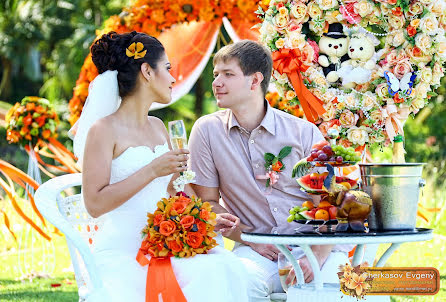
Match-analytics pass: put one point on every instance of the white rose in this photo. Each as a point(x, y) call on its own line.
point(441, 50)
point(398, 38)
point(290, 94)
point(267, 31)
point(332, 16)
point(426, 2)
point(438, 8)
point(377, 116)
point(327, 4)
point(368, 101)
point(299, 11)
point(358, 135)
point(396, 22)
point(363, 8)
point(417, 104)
point(423, 42)
point(280, 43)
point(437, 74)
point(314, 10)
point(416, 8)
point(426, 75)
point(330, 112)
point(280, 22)
point(283, 11)
point(280, 78)
point(350, 101)
point(421, 90)
point(429, 25)
point(297, 40)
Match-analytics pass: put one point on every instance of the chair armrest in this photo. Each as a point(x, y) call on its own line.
point(46, 202)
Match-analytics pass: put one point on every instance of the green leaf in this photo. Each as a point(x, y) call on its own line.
point(284, 152)
point(269, 157)
point(267, 182)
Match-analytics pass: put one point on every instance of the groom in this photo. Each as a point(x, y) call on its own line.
point(227, 154)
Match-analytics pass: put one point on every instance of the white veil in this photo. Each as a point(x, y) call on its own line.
point(103, 99)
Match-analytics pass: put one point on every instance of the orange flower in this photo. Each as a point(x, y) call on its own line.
point(179, 207)
point(183, 199)
point(158, 219)
point(397, 11)
point(417, 52)
point(187, 221)
point(397, 99)
point(46, 133)
point(204, 215)
point(40, 109)
point(28, 137)
point(411, 31)
point(277, 166)
point(167, 227)
point(12, 136)
point(175, 246)
point(30, 106)
point(41, 120)
point(201, 227)
point(194, 239)
point(27, 120)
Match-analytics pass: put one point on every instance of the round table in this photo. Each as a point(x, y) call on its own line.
point(305, 240)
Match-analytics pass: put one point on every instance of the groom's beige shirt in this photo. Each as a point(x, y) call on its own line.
point(224, 155)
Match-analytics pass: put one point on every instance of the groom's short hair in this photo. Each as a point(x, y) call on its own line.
point(252, 57)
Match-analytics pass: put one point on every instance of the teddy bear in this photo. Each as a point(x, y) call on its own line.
point(358, 69)
point(333, 47)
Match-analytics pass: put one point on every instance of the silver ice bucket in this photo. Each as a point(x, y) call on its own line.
point(394, 189)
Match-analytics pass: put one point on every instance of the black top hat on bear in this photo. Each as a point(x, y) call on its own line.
point(335, 31)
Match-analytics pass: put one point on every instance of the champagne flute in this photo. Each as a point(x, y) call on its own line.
point(177, 134)
point(284, 269)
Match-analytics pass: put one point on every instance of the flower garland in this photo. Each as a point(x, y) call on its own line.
point(31, 120)
point(180, 227)
point(409, 42)
point(154, 16)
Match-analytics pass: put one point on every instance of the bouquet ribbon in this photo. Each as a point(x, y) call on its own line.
point(393, 121)
point(160, 280)
point(289, 61)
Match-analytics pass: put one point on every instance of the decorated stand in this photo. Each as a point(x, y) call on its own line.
point(369, 65)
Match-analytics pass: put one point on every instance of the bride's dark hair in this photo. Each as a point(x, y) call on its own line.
point(109, 53)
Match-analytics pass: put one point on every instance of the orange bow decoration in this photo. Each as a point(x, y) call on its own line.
point(289, 61)
point(136, 50)
point(394, 120)
point(160, 279)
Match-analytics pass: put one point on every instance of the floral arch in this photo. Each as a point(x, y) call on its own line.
point(188, 29)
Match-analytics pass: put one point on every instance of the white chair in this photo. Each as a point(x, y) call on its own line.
point(69, 215)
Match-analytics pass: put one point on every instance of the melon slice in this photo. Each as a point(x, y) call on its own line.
point(309, 215)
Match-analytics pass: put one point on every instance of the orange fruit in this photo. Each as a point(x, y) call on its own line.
point(324, 204)
point(322, 214)
point(308, 204)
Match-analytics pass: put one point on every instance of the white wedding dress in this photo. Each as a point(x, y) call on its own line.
point(217, 276)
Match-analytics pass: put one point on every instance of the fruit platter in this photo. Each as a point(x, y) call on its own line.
point(340, 202)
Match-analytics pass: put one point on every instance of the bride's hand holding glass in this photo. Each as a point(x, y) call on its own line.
point(174, 161)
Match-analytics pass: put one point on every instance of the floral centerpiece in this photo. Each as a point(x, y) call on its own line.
point(31, 120)
point(366, 97)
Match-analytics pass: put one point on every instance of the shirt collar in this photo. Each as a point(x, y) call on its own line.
point(268, 121)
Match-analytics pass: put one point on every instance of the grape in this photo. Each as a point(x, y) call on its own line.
point(322, 157)
point(292, 211)
point(320, 152)
point(327, 150)
point(290, 218)
point(314, 151)
point(332, 158)
point(339, 159)
point(347, 158)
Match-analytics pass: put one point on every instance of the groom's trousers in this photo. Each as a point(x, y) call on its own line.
point(264, 273)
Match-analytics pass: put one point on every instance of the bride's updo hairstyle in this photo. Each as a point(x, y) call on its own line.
point(109, 53)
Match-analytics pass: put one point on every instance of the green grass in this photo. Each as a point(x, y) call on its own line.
point(37, 289)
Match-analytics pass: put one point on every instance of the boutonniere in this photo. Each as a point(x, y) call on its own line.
point(274, 165)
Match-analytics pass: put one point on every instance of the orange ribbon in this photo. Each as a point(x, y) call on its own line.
point(289, 61)
point(160, 279)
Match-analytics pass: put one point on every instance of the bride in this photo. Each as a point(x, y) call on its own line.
point(128, 166)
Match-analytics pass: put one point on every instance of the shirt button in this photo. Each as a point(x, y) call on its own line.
point(251, 141)
point(257, 166)
point(260, 131)
point(275, 209)
point(275, 232)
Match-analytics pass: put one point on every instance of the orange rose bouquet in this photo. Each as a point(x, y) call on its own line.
point(30, 120)
point(180, 227)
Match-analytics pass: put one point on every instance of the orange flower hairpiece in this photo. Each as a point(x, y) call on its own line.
point(136, 50)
